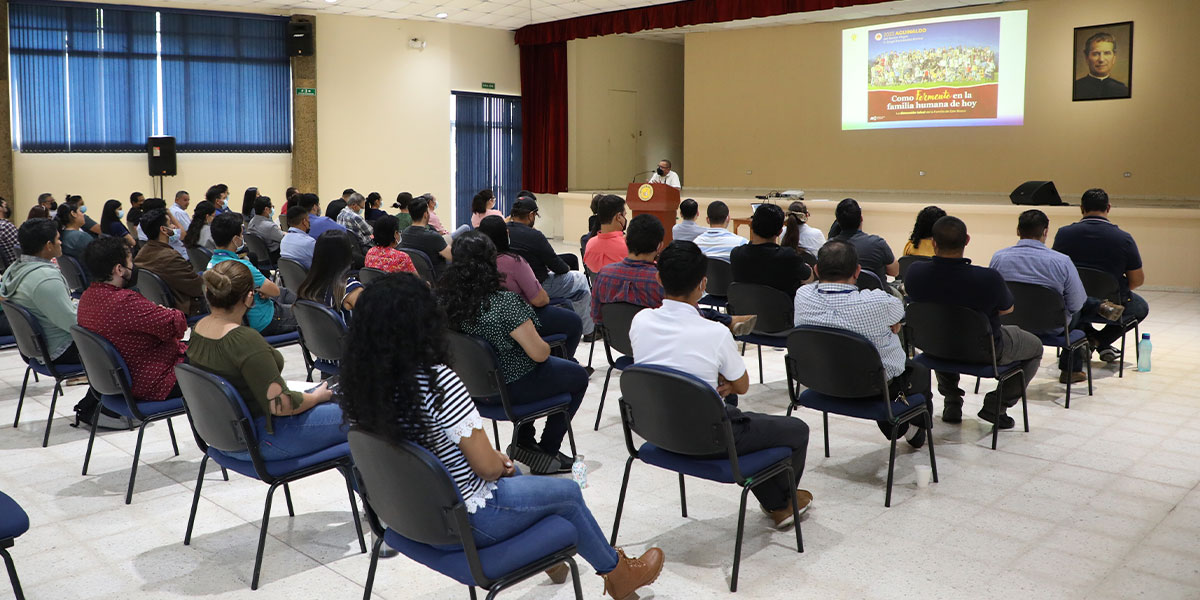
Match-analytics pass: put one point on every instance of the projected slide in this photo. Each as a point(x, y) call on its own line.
point(960, 71)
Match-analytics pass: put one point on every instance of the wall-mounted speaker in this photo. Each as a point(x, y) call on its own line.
point(300, 39)
point(160, 154)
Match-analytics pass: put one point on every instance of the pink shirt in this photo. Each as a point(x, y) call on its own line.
point(436, 223)
point(605, 249)
point(477, 217)
point(518, 277)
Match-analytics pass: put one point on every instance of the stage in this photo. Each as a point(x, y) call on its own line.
point(1167, 230)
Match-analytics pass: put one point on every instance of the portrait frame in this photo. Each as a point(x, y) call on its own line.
point(1117, 84)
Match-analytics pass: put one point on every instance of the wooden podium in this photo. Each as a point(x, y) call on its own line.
point(657, 199)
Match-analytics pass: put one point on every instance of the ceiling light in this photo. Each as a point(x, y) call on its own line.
point(441, 15)
point(331, 1)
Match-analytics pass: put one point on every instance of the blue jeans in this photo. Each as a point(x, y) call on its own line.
point(521, 501)
point(1136, 307)
point(556, 319)
point(573, 286)
point(553, 377)
point(311, 431)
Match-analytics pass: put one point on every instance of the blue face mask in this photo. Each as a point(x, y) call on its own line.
point(82, 209)
point(174, 239)
point(120, 214)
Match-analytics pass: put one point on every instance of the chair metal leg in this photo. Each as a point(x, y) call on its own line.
point(262, 536)
point(995, 432)
point(621, 502)
point(496, 433)
point(1069, 371)
point(571, 437)
point(137, 453)
point(976, 385)
point(575, 578)
point(760, 366)
point(187, 537)
point(362, 543)
point(1121, 367)
point(174, 444)
point(87, 456)
point(929, 440)
point(16, 582)
point(682, 497)
point(371, 570)
point(603, 394)
point(50, 419)
point(737, 548)
point(224, 474)
point(591, 352)
point(21, 398)
point(1089, 371)
point(795, 510)
point(825, 428)
point(472, 590)
point(887, 499)
point(287, 495)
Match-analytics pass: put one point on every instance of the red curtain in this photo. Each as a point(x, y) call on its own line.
point(666, 16)
point(544, 117)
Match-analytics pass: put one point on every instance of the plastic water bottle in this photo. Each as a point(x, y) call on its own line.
point(1144, 347)
point(579, 472)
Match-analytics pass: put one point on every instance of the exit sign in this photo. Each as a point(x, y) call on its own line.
point(487, 85)
point(306, 91)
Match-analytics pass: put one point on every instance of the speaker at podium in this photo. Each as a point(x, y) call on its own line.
point(657, 199)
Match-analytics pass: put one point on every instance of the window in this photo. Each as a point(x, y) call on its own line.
point(100, 78)
point(487, 147)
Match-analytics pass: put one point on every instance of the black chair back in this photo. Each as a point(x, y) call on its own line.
point(323, 330)
point(951, 332)
point(674, 411)
point(1036, 308)
point(291, 273)
point(475, 363)
point(76, 276)
point(199, 256)
point(218, 415)
point(774, 308)
point(369, 274)
point(618, 319)
point(154, 289)
point(31, 341)
point(869, 281)
point(720, 275)
point(106, 369)
point(835, 362)
point(422, 262)
point(256, 245)
point(1100, 284)
point(907, 261)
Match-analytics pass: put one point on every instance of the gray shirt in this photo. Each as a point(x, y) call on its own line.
point(268, 229)
point(686, 230)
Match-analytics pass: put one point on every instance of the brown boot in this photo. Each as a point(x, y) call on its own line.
point(559, 573)
point(632, 573)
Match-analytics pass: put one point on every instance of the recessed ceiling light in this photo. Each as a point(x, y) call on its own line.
point(331, 1)
point(439, 15)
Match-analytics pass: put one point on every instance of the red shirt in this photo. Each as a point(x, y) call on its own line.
point(389, 260)
point(146, 335)
point(605, 249)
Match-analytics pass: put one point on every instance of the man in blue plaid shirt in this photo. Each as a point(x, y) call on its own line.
point(355, 223)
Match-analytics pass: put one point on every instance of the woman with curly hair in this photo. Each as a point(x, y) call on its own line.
point(396, 384)
point(477, 305)
point(920, 242)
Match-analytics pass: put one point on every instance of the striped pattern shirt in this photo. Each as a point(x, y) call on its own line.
point(447, 426)
point(718, 242)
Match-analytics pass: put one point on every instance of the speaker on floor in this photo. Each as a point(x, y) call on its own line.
point(1039, 193)
point(300, 38)
point(160, 153)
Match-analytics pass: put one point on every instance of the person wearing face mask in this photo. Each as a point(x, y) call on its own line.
point(159, 257)
point(267, 315)
point(148, 336)
point(352, 220)
point(10, 249)
point(70, 223)
point(664, 174)
point(110, 222)
point(608, 246)
point(90, 226)
point(264, 224)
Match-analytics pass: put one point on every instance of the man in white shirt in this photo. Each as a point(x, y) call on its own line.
point(687, 229)
point(179, 210)
point(717, 241)
point(676, 336)
point(664, 174)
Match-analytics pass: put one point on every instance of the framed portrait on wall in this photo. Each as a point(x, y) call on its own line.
point(1103, 62)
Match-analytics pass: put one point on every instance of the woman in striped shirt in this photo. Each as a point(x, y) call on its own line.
point(395, 382)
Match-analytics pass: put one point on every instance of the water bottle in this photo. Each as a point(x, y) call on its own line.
point(579, 472)
point(1144, 347)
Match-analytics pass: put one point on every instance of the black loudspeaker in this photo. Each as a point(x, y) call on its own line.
point(160, 153)
point(1036, 193)
point(300, 39)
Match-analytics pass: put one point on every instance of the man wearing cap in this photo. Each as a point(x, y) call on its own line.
point(551, 270)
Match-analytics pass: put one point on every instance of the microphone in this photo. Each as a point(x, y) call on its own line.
point(634, 180)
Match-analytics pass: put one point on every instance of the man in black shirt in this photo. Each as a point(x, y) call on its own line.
point(552, 271)
point(951, 279)
point(765, 262)
point(422, 237)
point(874, 254)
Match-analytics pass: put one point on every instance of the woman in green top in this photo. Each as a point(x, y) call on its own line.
point(477, 305)
point(289, 423)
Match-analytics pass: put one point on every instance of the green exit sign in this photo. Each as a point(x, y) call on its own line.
point(306, 91)
point(487, 85)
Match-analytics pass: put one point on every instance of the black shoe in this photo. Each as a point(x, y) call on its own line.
point(916, 437)
point(952, 413)
point(1006, 422)
point(594, 336)
point(539, 463)
point(565, 463)
point(589, 371)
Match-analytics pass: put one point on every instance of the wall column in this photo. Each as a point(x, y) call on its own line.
point(304, 117)
point(6, 157)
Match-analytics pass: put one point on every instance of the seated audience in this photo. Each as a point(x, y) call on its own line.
point(384, 255)
point(799, 235)
point(434, 222)
point(354, 223)
point(920, 242)
point(483, 205)
point(421, 236)
point(687, 229)
point(329, 281)
point(874, 254)
point(158, 257)
point(764, 262)
point(676, 336)
point(289, 423)
point(10, 248)
point(148, 336)
point(948, 278)
point(266, 315)
point(316, 223)
point(297, 245)
point(835, 301)
point(38, 211)
point(179, 211)
point(45, 207)
point(218, 195)
point(551, 270)
point(263, 223)
point(199, 232)
point(176, 239)
point(335, 208)
point(248, 199)
point(401, 204)
point(607, 246)
point(90, 226)
point(477, 305)
point(718, 241)
point(1097, 243)
point(134, 216)
point(372, 212)
point(111, 225)
point(70, 230)
point(517, 277)
point(396, 384)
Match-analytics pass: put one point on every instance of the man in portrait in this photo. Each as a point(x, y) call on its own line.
point(1100, 53)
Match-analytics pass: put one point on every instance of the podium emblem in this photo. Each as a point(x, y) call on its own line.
point(646, 192)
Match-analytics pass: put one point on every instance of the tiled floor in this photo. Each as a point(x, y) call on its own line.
point(1099, 501)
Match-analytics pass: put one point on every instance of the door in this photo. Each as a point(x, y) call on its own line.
point(621, 128)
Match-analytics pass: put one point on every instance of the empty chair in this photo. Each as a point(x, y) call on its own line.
point(369, 274)
point(775, 316)
point(618, 318)
point(1103, 286)
point(76, 276)
point(1040, 311)
point(13, 523)
point(199, 256)
point(31, 343)
point(716, 291)
point(322, 333)
point(291, 273)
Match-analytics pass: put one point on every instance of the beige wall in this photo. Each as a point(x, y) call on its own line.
point(768, 101)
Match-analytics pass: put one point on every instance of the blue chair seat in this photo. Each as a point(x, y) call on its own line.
point(985, 371)
point(1057, 339)
point(712, 469)
point(760, 339)
point(715, 301)
point(283, 339)
point(67, 370)
point(495, 410)
point(862, 408)
point(13, 520)
point(327, 367)
point(622, 362)
point(7, 341)
point(118, 405)
point(279, 468)
point(551, 534)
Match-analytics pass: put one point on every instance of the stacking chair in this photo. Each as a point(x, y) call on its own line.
point(476, 364)
point(1038, 310)
point(31, 343)
point(260, 254)
point(869, 281)
point(291, 273)
point(945, 330)
point(906, 262)
point(199, 256)
point(716, 291)
point(109, 376)
point(322, 334)
point(423, 264)
point(369, 274)
point(684, 423)
point(406, 487)
point(844, 375)
point(13, 523)
point(153, 288)
point(1103, 286)
point(221, 423)
point(775, 312)
point(618, 319)
point(76, 276)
